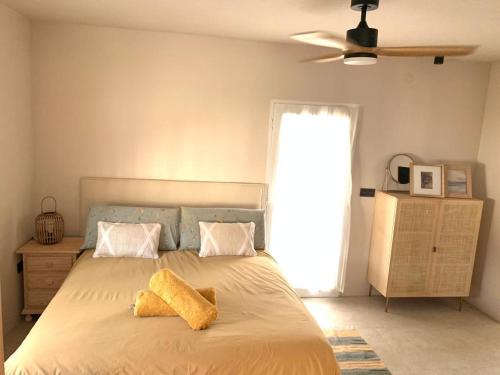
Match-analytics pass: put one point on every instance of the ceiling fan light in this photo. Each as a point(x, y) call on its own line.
point(360, 58)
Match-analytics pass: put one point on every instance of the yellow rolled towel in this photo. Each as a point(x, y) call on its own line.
point(148, 303)
point(185, 300)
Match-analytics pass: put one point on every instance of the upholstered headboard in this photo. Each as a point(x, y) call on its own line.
point(167, 193)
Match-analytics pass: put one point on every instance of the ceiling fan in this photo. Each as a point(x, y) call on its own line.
point(360, 45)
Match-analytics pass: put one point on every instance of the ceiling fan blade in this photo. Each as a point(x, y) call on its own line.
point(426, 51)
point(327, 58)
point(322, 38)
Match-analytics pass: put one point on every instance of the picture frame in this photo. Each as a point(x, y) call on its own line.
point(427, 180)
point(458, 181)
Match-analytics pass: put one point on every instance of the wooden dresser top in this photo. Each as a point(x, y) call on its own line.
point(406, 195)
point(68, 245)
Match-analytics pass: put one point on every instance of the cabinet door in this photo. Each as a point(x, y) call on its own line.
point(456, 240)
point(412, 247)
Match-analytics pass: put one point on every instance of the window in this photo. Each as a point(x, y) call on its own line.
point(310, 192)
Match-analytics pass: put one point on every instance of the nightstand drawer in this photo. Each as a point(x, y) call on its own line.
point(40, 298)
point(52, 280)
point(49, 263)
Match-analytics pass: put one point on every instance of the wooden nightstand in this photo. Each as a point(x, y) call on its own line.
point(45, 267)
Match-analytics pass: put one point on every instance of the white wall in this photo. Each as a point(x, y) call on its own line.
point(486, 283)
point(123, 103)
point(16, 156)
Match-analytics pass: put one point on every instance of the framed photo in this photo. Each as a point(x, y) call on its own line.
point(458, 181)
point(427, 180)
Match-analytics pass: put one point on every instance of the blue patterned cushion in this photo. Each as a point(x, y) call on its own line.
point(190, 227)
point(167, 217)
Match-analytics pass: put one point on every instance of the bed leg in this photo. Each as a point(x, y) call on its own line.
point(460, 304)
point(370, 290)
point(28, 318)
point(386, 304)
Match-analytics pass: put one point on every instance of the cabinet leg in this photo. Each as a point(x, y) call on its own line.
point(370, 290)
point(28, 318)
point(386, 304)
point(460, 304)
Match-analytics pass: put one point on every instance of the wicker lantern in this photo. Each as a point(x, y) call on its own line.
point(49, 225)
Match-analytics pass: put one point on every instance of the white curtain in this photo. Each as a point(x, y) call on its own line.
point(310, 194)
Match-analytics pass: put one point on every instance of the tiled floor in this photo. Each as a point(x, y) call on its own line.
point(416, 336)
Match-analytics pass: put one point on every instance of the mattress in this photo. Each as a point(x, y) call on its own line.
point(89, 328)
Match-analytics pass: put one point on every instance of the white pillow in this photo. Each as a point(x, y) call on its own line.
point(127, 240)
point(227, 239)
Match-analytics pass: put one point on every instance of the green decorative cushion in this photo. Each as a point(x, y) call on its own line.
point(167, 217)
point(190, 227)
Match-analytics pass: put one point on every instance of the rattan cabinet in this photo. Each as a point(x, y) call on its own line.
point(423, 247)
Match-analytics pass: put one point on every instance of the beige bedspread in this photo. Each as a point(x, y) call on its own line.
point(88, 328)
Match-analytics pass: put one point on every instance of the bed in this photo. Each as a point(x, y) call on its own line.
point(89, 328)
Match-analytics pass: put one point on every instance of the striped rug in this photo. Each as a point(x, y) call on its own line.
point(354, 355)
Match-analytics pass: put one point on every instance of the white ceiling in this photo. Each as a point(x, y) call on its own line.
point(400, 22)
